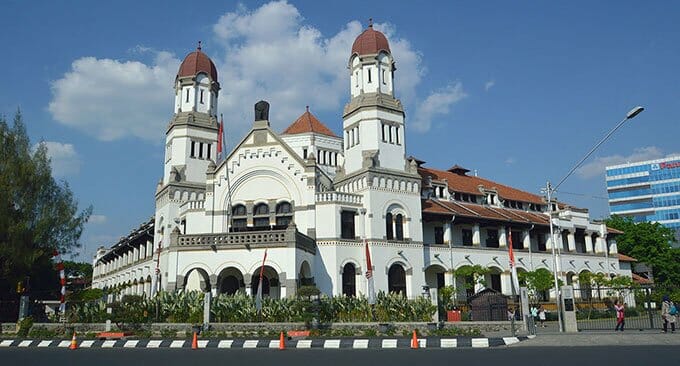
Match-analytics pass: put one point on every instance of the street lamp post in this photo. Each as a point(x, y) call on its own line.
point(549, 190)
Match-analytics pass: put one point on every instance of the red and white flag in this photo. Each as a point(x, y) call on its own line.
point(258, 297)
point(369, 276)
point(220, 139)
point(62, 281)
point(513, 267)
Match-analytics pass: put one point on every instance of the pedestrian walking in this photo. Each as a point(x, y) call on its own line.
point(668, 313)
point(541, 315)
point(620, 315)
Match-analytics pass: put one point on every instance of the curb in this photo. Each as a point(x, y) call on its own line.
point(458, 342)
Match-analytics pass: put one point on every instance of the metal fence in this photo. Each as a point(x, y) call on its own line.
point(642, 308)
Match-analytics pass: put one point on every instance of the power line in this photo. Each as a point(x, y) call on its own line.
point(584, 195)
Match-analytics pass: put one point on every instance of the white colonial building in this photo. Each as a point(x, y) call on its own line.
point(312, 199)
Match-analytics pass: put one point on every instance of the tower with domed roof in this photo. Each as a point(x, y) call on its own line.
point(191, 138)
point(373, 120)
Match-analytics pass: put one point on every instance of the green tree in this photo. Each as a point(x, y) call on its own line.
point(537, 281)
point(38, 215)
point(649, 243)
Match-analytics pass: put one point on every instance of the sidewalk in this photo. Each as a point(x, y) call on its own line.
point(604, 338)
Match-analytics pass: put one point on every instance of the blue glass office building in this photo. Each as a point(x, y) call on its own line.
point(646, 191)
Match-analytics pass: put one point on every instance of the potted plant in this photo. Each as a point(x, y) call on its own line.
point(447, 303)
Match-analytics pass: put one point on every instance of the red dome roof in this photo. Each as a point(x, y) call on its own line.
point(197, 62)
point(369, 42)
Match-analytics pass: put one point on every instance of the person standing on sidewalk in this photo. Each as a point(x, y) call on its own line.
point(541, 315)
point(620, 315)
point(668, 313)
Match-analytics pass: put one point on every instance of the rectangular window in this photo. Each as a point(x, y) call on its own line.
point(201, 96)
point(187, 93)
point(492, 238)
point(239, 224)
point(383, 77)
point(396, 135)
point(541, 243)
point(304, 153)
point(356, 79)
point(347, 225)
point(369, 76)
point(517, 242)
point(261, 222)
point(467, 237)
point(208, 151)
point(384, 126)
point(193, 149)
point(200, 150)
point(390, 134)
point(356, 142)
point(438, 235)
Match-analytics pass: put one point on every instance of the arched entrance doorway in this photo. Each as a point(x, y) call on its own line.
point(349, 287)
point(230, 281)
point(396, 279)
point(197, 279)
point(270, 282)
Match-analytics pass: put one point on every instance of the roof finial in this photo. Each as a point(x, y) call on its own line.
point(370, 22)
point(199, 46)
point(307, 108)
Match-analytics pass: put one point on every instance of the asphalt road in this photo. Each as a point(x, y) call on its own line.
point(554, 356)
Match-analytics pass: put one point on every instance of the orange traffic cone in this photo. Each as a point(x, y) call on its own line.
point(414, 341)
point(282, 342)
point(74, 342)
point(194, 342)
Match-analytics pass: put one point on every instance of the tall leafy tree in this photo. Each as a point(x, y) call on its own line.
point(649, 243)
point(38, 214)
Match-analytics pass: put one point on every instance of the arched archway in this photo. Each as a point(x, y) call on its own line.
point(434, 276)
point(494, 279)
point(305, 277)
point(230, 281)
point(349, 287)
point(196, 279)
point(270, 282)
point(585, 285)
point(396, 279)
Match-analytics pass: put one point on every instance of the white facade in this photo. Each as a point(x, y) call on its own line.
point(312, 201)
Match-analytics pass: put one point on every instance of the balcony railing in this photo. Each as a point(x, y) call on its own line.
point(274, 237)
point(338, 197)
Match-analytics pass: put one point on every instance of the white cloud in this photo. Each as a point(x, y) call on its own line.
point(271, 53)
point(489, 84)
point(510, 161)
point(437, 104)
point(110, 99)
point(597, 166)
point(63, 158)
point(97, 219)
point(268, 53)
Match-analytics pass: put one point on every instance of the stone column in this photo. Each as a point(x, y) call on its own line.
point(476, 236)
point(599, 246)
point(526, 239)
point(571, 240)
point(589, 242)
point(448, 232)
point(502, 237)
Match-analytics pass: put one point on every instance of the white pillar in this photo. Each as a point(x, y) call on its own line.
point(589, 242)
point(526, 239)
point(448, 233)
point(502, 238)
point(599, 245)
point(571, 240)
point(476, 237)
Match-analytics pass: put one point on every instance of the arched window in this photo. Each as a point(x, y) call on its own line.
point(349, 280)
point(284, 214)
point(239, 220)
point(399, 227)
point(261, 215)
point(389, 233)
point(396, 279)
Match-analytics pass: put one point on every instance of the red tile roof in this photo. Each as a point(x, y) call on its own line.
point(370, 42)
point(641, 280)
point(462, 209)
point(470, 184)
point(197, 62)
point(611, 230)
point(307, 122)
point(625, 258)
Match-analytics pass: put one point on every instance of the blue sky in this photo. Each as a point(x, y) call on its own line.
point(518, 91)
